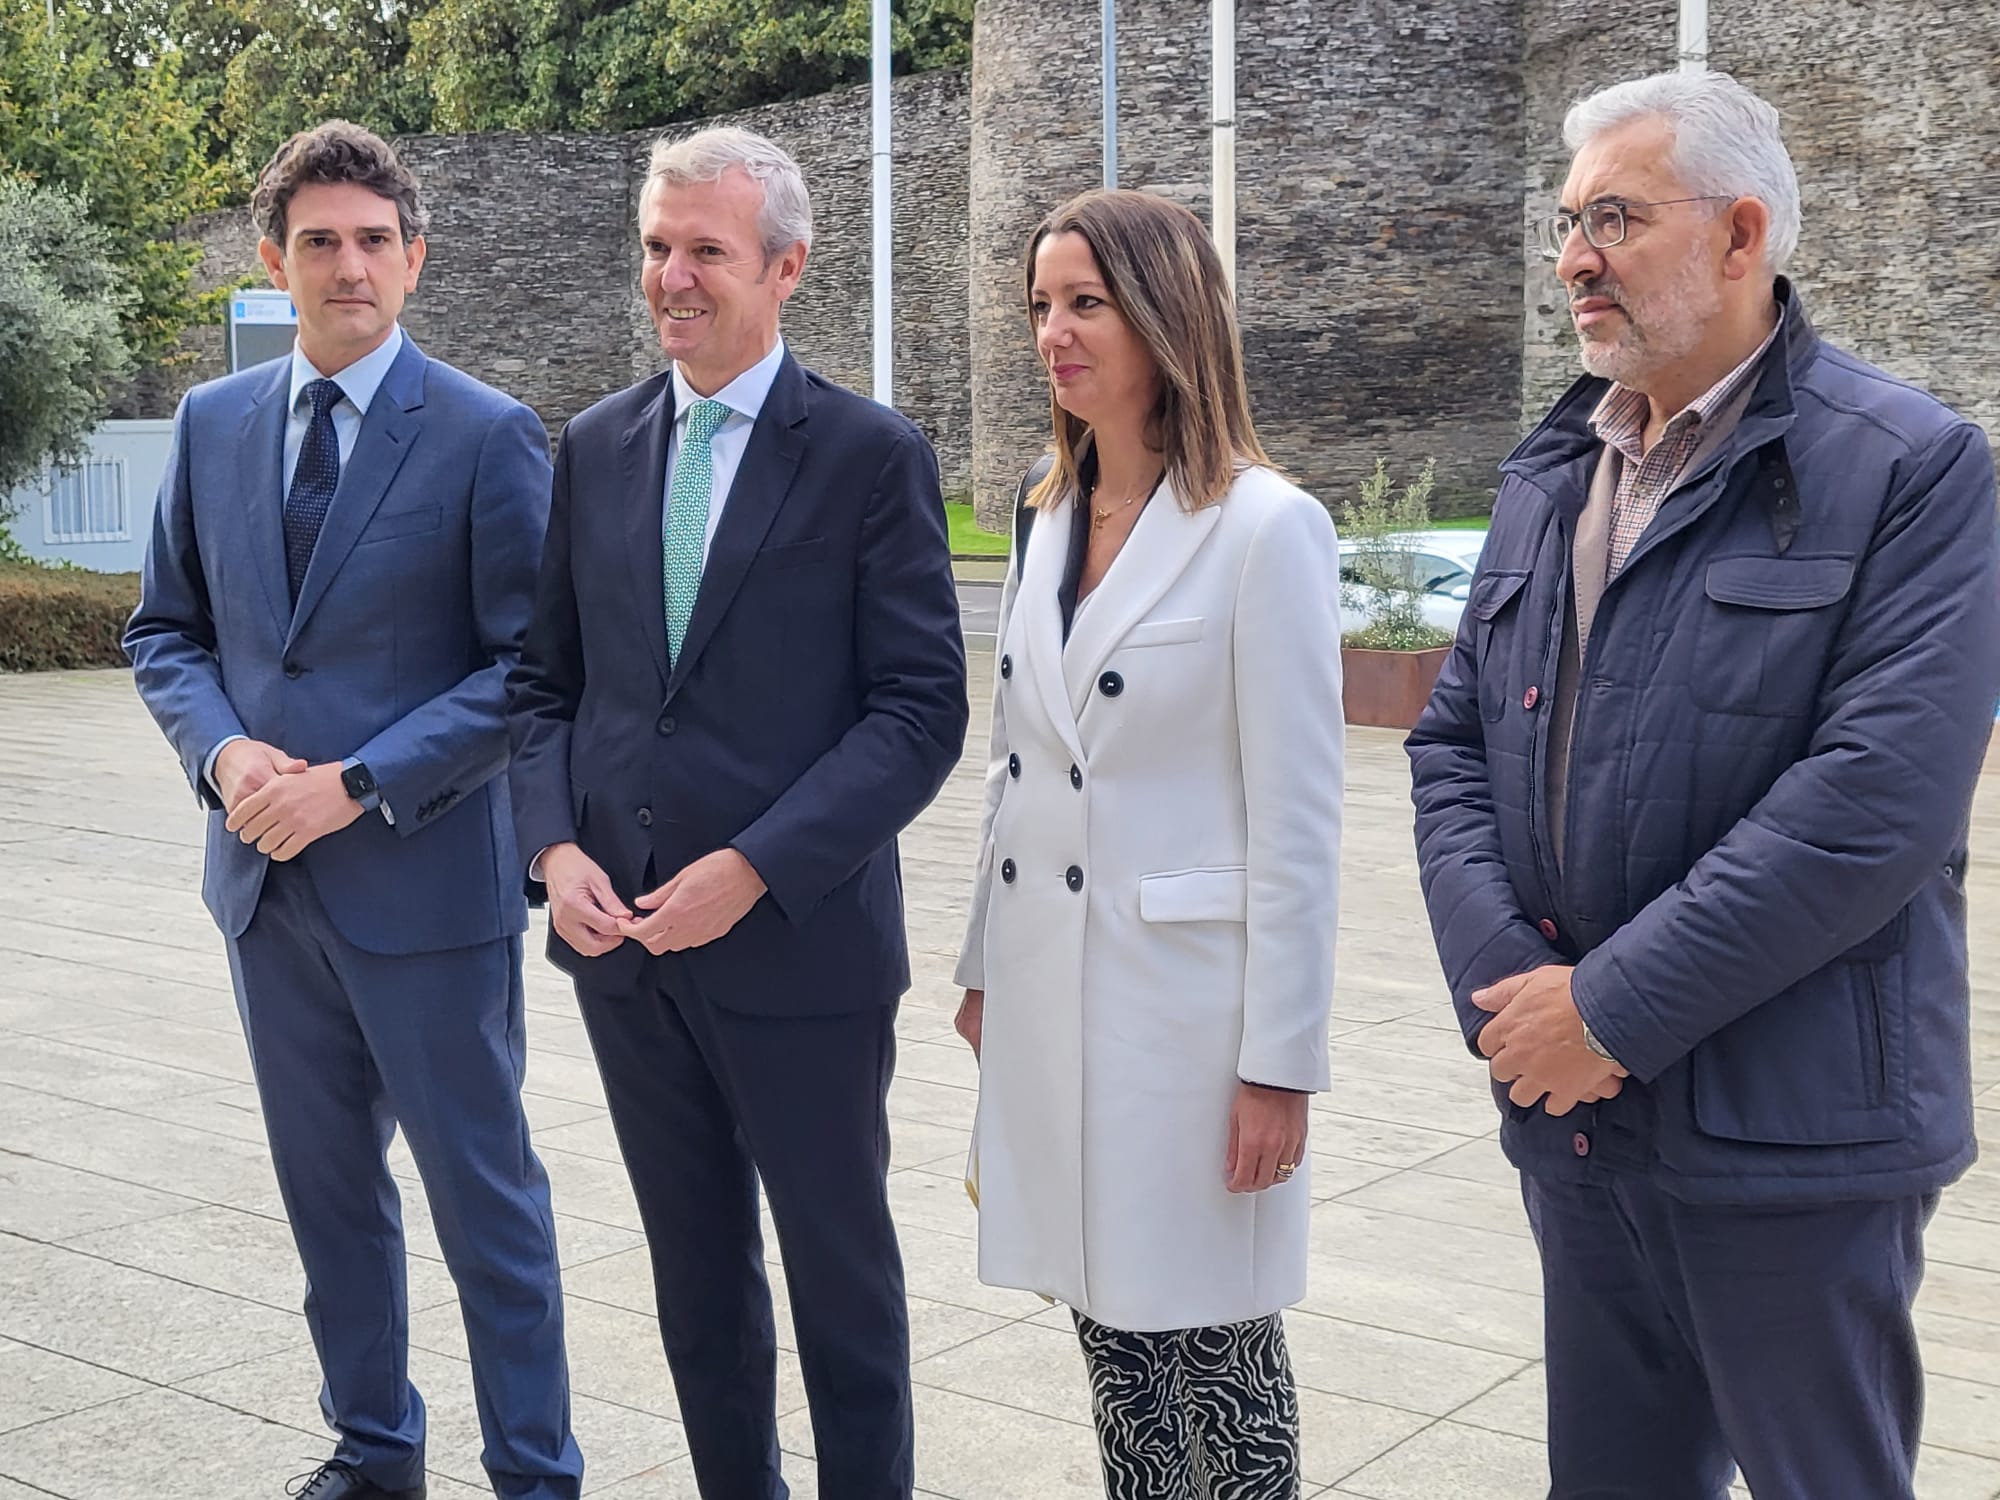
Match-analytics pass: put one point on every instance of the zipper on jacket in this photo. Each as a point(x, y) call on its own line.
point(1538, 740)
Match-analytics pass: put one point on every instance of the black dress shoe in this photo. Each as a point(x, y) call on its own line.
point(337, 1481)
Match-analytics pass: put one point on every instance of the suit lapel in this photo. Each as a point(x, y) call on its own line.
point(643, 456)
point(263, 448)
point(1038, 606)
point(388, 432)
point(1162, 544)
point(762, 481)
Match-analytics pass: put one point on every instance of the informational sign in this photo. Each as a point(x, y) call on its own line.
point(261, 326)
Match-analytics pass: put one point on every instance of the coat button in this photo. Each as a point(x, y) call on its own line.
point(1073, 876)
point(1547, 929)
point(1007, 871)
point(1014, 766)
point(1006, 666)
point(1076, 780)
point(1530, 698)
point(667, 724)
point(645, 817)
point(293, 669)
point(1580, 1144)
point(1111, 684)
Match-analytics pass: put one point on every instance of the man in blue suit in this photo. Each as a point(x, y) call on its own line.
point(744, 677)
point(341, 569)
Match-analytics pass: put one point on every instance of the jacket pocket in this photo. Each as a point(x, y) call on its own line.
point(1162, 633)
point(793, 554)
point(387, 525)
point(1819, 1064)
point(1765, 627)
point(1213, 895)
point(1490, 609)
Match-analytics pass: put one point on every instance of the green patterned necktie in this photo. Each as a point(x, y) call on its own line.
point(688, 499)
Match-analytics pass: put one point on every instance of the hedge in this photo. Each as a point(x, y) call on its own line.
point(56, 618)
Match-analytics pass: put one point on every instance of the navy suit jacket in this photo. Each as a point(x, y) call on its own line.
point(411, 613)
point(817, 705)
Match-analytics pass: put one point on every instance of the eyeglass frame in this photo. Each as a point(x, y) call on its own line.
point(1551, 246)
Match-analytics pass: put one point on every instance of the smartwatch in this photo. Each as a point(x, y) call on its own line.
point(360, 784)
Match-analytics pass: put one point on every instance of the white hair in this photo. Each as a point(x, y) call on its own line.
point(786, 218)
point(1726, 141)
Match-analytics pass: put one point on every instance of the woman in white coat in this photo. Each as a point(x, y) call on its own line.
point(1149, 962)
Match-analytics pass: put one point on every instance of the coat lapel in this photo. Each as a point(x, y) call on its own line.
point(1162, 544)
point(643, 457)
point(263, 449)
point(387, 434)
point(1038, 606)
point(762, 481)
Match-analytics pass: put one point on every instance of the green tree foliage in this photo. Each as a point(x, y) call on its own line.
point(126, 138)
point(605, 65)
point(61, 348)
point(1380, 591)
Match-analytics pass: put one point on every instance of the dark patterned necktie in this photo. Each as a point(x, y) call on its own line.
point(313, 483)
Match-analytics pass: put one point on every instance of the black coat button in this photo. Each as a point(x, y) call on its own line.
point(1014, 766)
point(667, 724)
point(645, 817)
point(1076, 777)
point(1007, 871)
point(1006, 666)
point(1074, 877)
point(293, 669)
point(1111, 684)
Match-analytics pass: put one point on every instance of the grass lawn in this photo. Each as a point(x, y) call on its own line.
point(1463, 523)
point(966, 535)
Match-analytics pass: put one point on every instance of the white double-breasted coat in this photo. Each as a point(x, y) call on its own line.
point(1155, 907)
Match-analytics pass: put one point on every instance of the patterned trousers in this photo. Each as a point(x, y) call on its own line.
point(1196, 1413)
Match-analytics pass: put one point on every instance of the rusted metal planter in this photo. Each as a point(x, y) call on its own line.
point(1388, 689)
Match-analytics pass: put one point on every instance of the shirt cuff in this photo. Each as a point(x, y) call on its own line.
point(208, 766)
point(535, 867)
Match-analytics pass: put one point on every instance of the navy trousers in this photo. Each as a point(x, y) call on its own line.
point(1682, 1337)
point(346, 1045)
point(705, 1102)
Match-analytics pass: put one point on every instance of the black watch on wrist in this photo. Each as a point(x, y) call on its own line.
point(360, 784)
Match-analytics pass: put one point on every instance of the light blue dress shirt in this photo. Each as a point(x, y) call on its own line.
point(744, 396)
point(358, 384)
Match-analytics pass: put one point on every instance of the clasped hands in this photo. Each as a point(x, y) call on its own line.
point(1535, 1042)
point(276, 802)
point(696, 907)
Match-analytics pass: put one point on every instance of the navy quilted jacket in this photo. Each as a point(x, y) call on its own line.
point(1780, 720)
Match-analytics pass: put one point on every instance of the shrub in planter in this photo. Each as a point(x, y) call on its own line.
point(1390, 655)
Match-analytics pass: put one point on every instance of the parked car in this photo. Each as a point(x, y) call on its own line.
point(1442, 562)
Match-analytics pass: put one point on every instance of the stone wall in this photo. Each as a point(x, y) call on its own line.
point(1378, 187)
point(533, 278)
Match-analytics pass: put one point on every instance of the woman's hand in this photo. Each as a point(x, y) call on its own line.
point(1267, 1131)
point(971, 1011)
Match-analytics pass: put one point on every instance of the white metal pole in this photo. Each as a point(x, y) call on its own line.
point(1222, 67)
point(1694, 36)
point(1110, 93)
point(885, 327)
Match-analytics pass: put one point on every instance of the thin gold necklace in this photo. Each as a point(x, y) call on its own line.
point(1099, 514)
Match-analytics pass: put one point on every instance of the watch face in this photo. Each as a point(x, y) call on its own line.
point(358, 781)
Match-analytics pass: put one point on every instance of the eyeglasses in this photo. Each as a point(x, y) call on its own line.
point(1603, 224)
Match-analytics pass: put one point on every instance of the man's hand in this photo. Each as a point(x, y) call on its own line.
point(244, 766)
point(971, 1018)
point(1535, 1041)
point(293, 810)
point(1267, 1130)
point(583, 908)
point(697, 906)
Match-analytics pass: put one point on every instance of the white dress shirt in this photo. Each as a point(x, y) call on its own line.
point(744, 396)
point(358, 384)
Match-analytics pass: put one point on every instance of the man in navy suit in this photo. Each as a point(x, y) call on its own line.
point(743, 679)
point(341, 569)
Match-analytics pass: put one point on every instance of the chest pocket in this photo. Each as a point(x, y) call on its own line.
point(1491, 613)
point(1765, 629)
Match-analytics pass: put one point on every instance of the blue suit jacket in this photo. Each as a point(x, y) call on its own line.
point(410, 615)
point(817, 705)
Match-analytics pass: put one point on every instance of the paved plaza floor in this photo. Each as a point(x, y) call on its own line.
point(151, 1342)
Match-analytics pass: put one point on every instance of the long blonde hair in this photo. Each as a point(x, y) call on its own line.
point(1165, 279)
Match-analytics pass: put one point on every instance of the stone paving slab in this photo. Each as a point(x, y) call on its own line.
point(151, 1343)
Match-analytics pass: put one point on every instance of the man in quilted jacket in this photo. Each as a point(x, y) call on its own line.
point(1693, 799)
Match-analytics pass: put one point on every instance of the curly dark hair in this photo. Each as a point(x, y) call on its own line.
point(336, 152)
